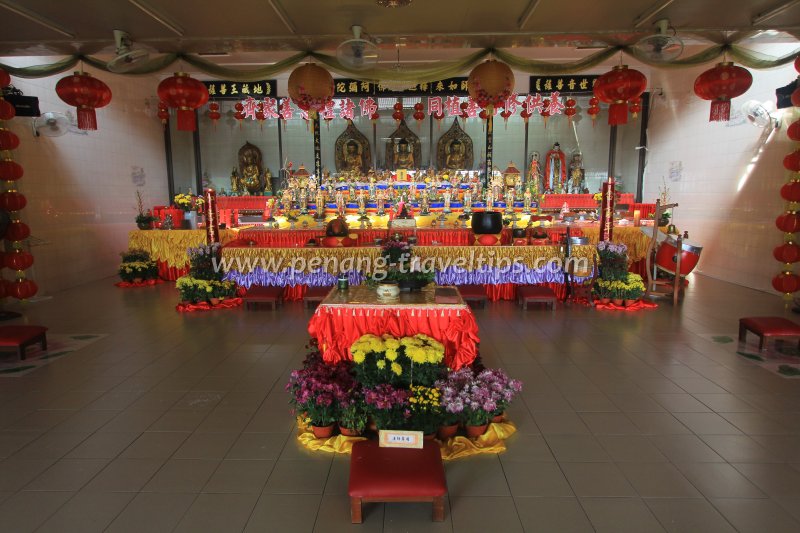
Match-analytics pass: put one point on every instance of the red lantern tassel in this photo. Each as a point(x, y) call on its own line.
point(617, 114)
point(720, 111)
point(186, 120)
point(87, 118)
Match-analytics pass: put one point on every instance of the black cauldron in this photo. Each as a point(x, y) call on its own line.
point(487, 223)
point(519, 233)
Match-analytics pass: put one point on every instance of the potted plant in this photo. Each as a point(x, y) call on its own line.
point(377, 361)
point(388, 406)
point(425, 407)
point(452, 405)
point(190, 205)
point(635, 289)
point(137, 266)
point(502, 388)
point(317, 391)
point(353, 416)
point(144, 221)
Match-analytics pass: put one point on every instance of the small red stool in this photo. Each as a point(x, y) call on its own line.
point(315, 295)
point(528, 294)
point(259, 294)
point(396, 475)
point(20, 337)
point(473, 294)
point(767, 326)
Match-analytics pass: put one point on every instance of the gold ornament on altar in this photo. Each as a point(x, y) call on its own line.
point(454, 149)
point(353, 152)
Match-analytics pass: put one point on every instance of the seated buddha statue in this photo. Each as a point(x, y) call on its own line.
point(250, 168)
point(353, 160)
point(455, 155)
point(403, 157)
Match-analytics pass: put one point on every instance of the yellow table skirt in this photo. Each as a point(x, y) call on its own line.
point(169, 246)
point(632, 237)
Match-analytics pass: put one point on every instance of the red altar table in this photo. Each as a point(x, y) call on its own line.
point(344, 316)
point(579, 201)
point(242, 203)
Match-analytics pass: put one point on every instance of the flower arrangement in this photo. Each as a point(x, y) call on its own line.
point(631, 288)
point(613, 260)
point(353, 414)
point(204, 280)
point(598, 197)
point(503, 389)
point(317, 391)
point(426, 411)
point(187, 202)
point(143, 220)
point(409, 360)
point(395, 251)
point(137, 264)
point(388, 406)
point(204, 261)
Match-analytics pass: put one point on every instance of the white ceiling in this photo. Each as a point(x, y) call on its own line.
point(427, 28)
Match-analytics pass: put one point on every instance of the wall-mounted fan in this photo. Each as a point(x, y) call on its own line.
point(51, 124)
point(759, 114)
point(127, 56)
point(357, 53)
point(662, 46)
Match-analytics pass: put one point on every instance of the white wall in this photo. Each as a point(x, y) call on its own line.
point(81, 189)
point(725, 176)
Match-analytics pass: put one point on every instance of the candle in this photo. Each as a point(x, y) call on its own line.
point(637, 215)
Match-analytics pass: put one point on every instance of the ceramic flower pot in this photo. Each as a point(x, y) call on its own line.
point(137, 280)
point(605, 300)
point(322, 432)
point(498, 418)
point(475, 431)
point(388, 291)
point(447, 432)
point(630, 302)
point(347, 432)
point(214, 301)
point(618, 301)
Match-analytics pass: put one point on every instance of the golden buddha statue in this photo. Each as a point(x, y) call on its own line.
point(403, 157)
point(455, 156)
point(251, 171)
point(353, 159)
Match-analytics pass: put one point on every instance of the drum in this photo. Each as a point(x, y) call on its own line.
point(667, 256)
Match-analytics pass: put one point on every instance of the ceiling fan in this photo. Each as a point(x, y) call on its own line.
point(127, 57)
point(661, 46)
point(357, 53)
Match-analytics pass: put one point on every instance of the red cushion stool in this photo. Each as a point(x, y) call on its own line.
point(527, 294)
point(396, 475)
point(259, 294)
point(767, 326)
point(20, 337)
point(473, 294)
point(315, 295)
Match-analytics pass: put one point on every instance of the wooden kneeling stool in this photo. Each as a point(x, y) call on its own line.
point(259, 294)
point(473, 294)
point(396, 475)
point(767, 326)
point(20, 337)
point(528, 294)
point(315, 295)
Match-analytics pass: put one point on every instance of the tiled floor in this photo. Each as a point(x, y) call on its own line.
point(628, 422)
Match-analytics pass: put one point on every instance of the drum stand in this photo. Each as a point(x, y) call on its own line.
point(662, 288)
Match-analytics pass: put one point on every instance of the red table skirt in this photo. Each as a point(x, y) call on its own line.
point(250, 203)
point(579, 201)
point(337, 328)
point(169, 273)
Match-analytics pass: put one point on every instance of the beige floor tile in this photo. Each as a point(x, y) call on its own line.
point(726, 403)
point(610, 424)
point(86, 421)
point(182, 475)
point(51, 445)
point(756, 516)
point(620, 515)
point(658, 424)
point(338, 476)
point(155, 445)
point(476, 515)
point(178, 420)
point(740, 449)
point(124, 475)
point(284, 512)
point(719, 480)
point(756, 424)
point(776, 480)
point(16, 473)
point(87, 512)
point(597, 480)
point(334, 516)
point(152, 513)
point(13, 441)
point(103, 446)
point(416, 517)
point(206, 446)
point(67, 474)
point(680, 403)
point(298, 477)
point(630, 448)
point(541, 515)
point(658, 480)
point(257, 446)
point(707, 424)
point(526, 448)
point(132, 421)
point(25, 511)
point(560, 423)
point(591, 403)
point(685, 449)
point(245, 476)
point(577, 448)
point(688, 516)
point(534, 480)
point(218, 512)
point(476, 476)
point(636, 403)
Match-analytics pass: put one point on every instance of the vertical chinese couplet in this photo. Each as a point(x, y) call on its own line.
point(607, 210)
point(212, 220)
point(317, 148)
point(489, 149)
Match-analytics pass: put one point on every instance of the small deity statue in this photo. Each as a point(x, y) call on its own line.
point(362, 202)
point(455, 155)
point(535, 172)
point(340, 205)
point(235, 182)
point(424, 205)
point(577, 182)
point(447, 196)
point(467, 201)
point(527, 199)
point(286, 199)
point(251, 170)
point(381, 199)
point(489, 200)
point(518, 185)
point(403, 157)
point(510, 201)
point(497, 185)
point(555, 169)
point(304, 201)
point(353, 160)
point(320, 204)
point(268, 209)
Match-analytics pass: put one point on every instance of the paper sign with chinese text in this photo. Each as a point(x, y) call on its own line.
point(395, 438)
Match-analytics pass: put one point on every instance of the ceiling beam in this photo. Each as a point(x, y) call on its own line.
point(278, 9)
point(159, 17)
point(36, 17)
point(651, 12)
point(527, 13)
point(772, 13)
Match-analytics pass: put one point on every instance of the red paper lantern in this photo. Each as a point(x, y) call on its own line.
point(786, 282)
point(17, 231)
point(22, 289)
point(185, 93)
point(213, 112)
point(791, 191)
point(374, 117)
point(721, 84)
point(8, 140)
point(13, 201)
point(419, 116)
point(163, 113)
point(525, 115)
point(616, 88)
point(792, 161)
point(7, 111)
point(505, 114)
point(796, 98)
point(788, 222)
point(398, 115)
point(19, 260)
point(10, 170)
point(239, 114)
point(635, 106)
point(310, 88)
point(5, 79)
point(794, 130)
point(490, 84)
point(787, 253)
point(87, 94)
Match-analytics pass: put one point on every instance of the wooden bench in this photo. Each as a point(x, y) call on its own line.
point(396, 475)
point(20, 337)
point(767, 326)
point(473, 294)
point(528, 294)
point(258, 294)
point(315, 295)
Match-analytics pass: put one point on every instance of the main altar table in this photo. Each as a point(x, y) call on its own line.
point(344, 316)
